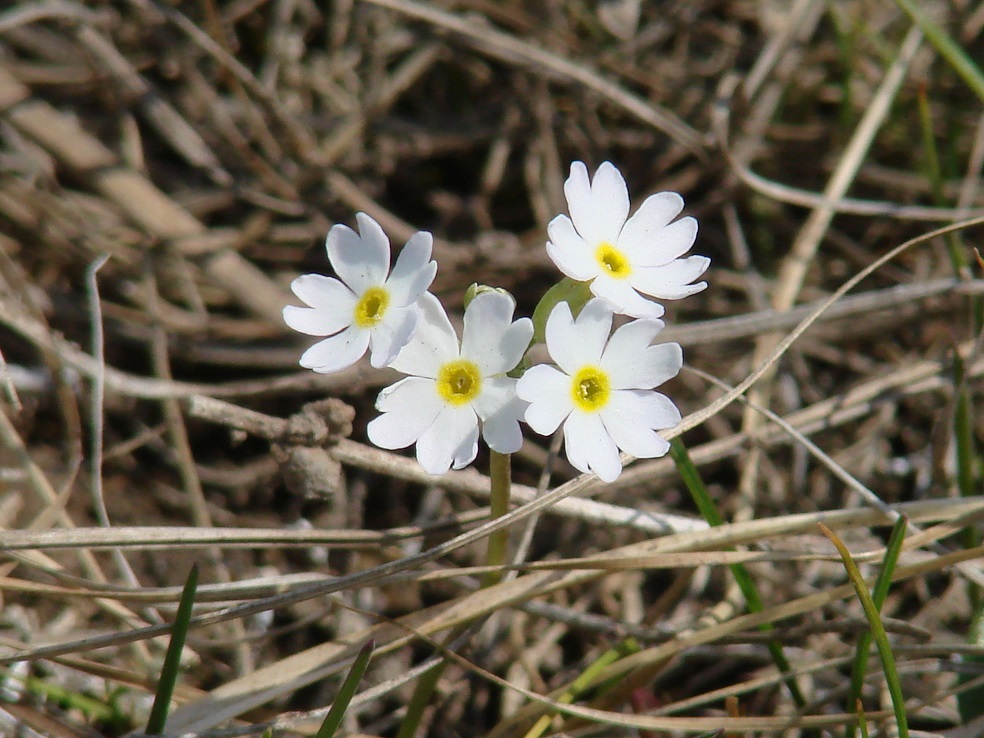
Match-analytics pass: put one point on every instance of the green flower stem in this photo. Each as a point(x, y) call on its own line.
point(500, 471)
point(877, 631)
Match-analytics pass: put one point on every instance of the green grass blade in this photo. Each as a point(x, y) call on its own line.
point(422, 692)
point(882, 585)
point(584, 680)
point(877, 630)
point(346, 692)
point(935, 176)
point(949, 49)
point(705, 503)
point(172, 659)
point(970, 702)
point(862, 720)
point(963, 432)
point(94, 710)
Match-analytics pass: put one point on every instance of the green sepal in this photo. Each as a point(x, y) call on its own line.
point(475, 289)
point(575, 294)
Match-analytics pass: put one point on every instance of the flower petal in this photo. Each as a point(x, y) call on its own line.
point(452, 438)
point(599, 207)
point(671, 281)
point(496, 393)
point(467, 450)
point(569, 252)
point(361, 261)
point(391, 334)
point(408, 408)
point(665, 360)
point(589, 447)
point(624, 300)
point(514, 343)
point(433, 343)
point(316, 321)
point(629, 339)
point(549, 393)
point(413, 273)
point(663, 246)
point(572, 344)
point(319, 291)
point(501, 410)
point(643, 231)
point(489, 337)
point(487, 317)
point(577, 190)
point(593, 326)
point(631, 417)
point(562, 338)
point(632, 363)
point(336, 352)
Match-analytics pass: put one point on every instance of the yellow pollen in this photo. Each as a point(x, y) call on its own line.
point(459, 382)
point(590, 389)
point(613, 261)
point(371, 307)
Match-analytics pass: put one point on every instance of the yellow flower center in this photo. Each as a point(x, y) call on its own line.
point(371, 307)
point(613, 261)
point(459, 382)
point(590, 389)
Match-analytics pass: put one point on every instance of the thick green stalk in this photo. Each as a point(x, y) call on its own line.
point(500, 472)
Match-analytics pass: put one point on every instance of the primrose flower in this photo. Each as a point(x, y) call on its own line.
point(602, 392)
point(452, 387)
point(368, 306)
point(623, 258)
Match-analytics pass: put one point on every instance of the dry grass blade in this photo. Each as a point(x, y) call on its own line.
point(510, 49)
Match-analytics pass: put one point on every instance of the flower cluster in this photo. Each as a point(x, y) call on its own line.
point(602, 389)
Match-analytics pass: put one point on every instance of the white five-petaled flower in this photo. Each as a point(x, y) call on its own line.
point(451, 387)
point(368, 306)
point(625, 257)
point(603, 391)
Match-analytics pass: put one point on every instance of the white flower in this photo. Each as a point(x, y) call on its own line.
point(603, 390)
point(623, 257)
point(368, 306)
point(452, 387)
